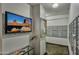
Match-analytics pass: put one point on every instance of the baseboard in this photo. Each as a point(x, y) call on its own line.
point(56, 44)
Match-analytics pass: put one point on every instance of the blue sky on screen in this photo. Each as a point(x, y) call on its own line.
point(19, 19)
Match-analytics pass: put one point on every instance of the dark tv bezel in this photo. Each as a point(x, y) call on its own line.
point(7, 20)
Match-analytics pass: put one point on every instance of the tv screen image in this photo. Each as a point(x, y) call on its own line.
point(16, 23)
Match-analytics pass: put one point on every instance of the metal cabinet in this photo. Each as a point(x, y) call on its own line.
point(74, 35)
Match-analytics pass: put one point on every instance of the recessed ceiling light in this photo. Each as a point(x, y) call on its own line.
point(55, 5)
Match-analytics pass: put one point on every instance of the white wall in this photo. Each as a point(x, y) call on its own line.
point(42, 39)
point(17, 8)
point(11, 42)
point(42, 12)
point(14, 43)
point(57, 17)
point(55, 40)
point(58, 20)
point(0, 30)
point(36, 28)
point(74, 11)
point(42, 45)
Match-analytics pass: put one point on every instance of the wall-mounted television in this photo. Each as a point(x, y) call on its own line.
point(15, 23)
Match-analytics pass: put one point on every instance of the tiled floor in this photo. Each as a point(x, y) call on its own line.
point(54, 49)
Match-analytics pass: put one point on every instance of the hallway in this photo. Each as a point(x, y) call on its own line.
point(44, 27)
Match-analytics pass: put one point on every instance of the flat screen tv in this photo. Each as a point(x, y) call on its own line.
point(15, 23)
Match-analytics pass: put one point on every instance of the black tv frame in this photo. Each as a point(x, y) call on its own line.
point(7, 22)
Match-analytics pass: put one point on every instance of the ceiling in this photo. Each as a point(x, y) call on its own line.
point(33, 4)
point(63, 8)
